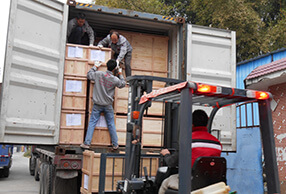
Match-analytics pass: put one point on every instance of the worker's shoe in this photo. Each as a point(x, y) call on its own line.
point(115, 147)
point(84, 146)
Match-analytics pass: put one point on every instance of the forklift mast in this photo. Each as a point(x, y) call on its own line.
point(138, 86)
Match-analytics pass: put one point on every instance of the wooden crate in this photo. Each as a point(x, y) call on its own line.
point(76, 67)
point(152, 132)
point(72, 119)
point(71, 136)
point(150, 52)
point(75, 51)
point(120, 124)
point(101, 55)
point(114, 165)
point(72, 127)
point(75, 86)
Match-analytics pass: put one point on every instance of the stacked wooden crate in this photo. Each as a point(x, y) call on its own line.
point(75, 89)
point(114, 166)
point(149, 57)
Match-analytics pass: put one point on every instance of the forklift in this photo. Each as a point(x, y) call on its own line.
point(178, 98)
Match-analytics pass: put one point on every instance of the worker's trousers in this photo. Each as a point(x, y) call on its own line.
point(94, 117)
point(170, 182)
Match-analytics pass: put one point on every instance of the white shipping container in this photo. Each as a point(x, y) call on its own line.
point(34, 62)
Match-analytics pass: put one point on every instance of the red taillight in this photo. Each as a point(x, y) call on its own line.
point(66, 165)
point(261, 95)
point(135, 114)
point(206, 88)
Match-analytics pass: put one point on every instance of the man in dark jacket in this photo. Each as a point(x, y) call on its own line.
point(103, 92)
point(203, 144)
point(121, 48)
point(79, 31)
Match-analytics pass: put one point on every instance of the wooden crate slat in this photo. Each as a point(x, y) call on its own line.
point(76, 68)
point(71, 136)
point(74, 102)
point(91, 170)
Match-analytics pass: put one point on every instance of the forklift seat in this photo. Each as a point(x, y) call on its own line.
point(206, 171)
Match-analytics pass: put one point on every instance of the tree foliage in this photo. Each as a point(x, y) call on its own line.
point(260, 25)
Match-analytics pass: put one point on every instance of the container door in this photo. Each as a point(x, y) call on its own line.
point(33, 72)
point(211, 58)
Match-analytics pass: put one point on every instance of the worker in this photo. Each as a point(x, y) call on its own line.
point(121, 49)
point(79, 31)
point(203, 144)
point(103, 92)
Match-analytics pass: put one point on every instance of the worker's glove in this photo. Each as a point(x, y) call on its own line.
point(97, 63)
point(90, 44)
point(100, 46)
point(120, 70)
point(117, 62)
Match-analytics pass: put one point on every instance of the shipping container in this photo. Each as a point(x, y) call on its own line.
point(34, 103)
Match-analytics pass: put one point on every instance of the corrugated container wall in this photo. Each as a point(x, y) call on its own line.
point(33, 72)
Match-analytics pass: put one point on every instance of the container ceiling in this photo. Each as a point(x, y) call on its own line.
point(102, 22)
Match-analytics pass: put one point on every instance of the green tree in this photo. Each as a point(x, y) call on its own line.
point(259, 24)
point(149, 6)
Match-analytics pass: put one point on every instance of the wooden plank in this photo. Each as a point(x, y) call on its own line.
point(152, 132)
point(121, 93)
point(157, 84)
point(120, 106)
point(77, 68)
point(101, 136)
point(120, 124)
point(74, 102)
point(156, 109)
point(150, 162)
point(71, 136)
point(160, 53)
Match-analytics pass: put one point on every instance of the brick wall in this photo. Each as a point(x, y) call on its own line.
point(279, 126)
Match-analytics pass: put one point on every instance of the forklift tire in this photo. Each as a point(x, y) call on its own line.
point(6, 172)
point(32, 165)
point(37, 175)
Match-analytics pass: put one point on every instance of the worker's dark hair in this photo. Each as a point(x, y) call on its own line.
point(111, 64)
point(200, 118)
point(80, 16)
point(114, 32)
